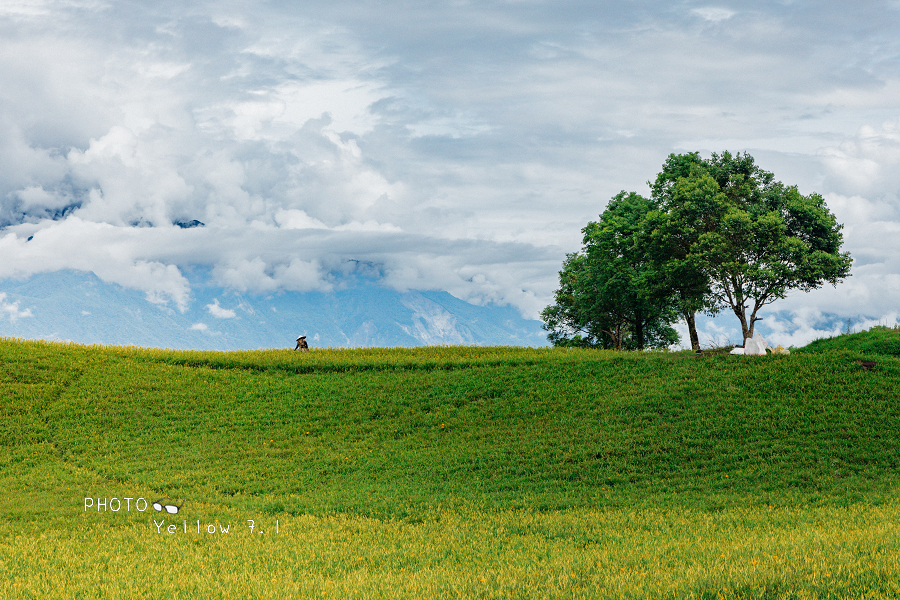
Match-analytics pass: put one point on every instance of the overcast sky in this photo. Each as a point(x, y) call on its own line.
point(451, 145)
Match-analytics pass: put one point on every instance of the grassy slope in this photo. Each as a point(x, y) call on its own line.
point(408, 434)
point(883, 341)
point(498, 429)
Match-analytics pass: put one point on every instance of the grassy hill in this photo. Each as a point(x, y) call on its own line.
point(880, 340)
point(452, 472)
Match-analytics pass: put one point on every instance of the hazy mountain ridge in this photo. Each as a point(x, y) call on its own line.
point(80, 307)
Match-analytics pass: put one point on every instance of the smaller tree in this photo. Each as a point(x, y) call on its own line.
point(605, 299)
point(569, 320)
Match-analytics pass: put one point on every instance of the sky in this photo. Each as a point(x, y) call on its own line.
point(452, 145)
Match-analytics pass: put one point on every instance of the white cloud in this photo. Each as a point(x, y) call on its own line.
point(256, 275)
point(345, 101)
point(713, 13)
point(219, 312)
point(244, 275)
point(301, 276)
point(45, 8)
point(808, 324)
point(199, 327)
point(297, 219)
point(113, 253)
point(369, 225)
point(11, 309)
point(867, 164)
point(802, 327)
point(35, 197)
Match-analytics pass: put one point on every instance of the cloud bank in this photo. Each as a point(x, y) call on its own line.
point(451, 146)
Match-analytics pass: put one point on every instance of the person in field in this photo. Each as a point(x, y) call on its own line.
point(302, 346)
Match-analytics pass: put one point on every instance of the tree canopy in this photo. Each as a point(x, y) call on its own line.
point(604, 299)
point(716, 233)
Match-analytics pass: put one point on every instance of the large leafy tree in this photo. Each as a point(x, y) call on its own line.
point(727, 234)
point(770, 240)
point(606, 298)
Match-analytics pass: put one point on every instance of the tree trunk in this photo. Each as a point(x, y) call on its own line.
point(616, 334)
point(746, 332)
point(692, 330)
point(746, 329)
point(639, 329)
point(740, 311)
point(620, 334)
point(753, 320)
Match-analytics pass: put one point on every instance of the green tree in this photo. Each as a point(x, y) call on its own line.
point(770, 240)
point(570, 320)
point(716, 233)
point(688, 206)
point(605, 298)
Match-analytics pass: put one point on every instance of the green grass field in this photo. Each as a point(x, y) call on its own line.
point(451, 472)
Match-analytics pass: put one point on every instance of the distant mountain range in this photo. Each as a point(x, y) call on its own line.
point(79, 307)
